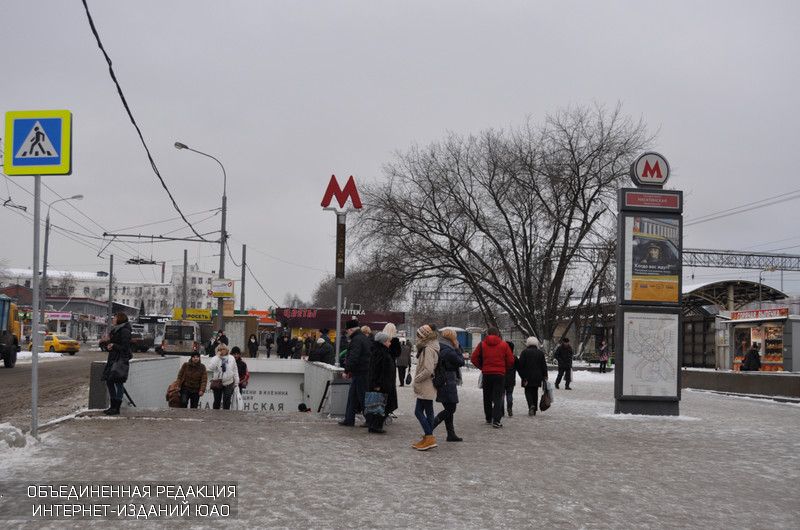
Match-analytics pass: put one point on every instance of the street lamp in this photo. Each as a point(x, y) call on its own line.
point(43, 293)
point(761, 280)
point(223, 234)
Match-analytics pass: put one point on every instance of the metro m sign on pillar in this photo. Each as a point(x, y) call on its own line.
point(650, 169)
point(341, 195)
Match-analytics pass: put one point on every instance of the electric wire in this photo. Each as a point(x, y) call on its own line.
point(133, 120)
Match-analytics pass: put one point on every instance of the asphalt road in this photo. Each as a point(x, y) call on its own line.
point(63, 387)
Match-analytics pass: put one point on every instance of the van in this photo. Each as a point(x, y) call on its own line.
point(181, 337)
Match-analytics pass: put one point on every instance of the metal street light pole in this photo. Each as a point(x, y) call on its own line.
point(223, 234)
point(43, 287)
point(761, 281)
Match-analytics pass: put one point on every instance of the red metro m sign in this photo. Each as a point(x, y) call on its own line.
point(650, 169)
point(341, 195)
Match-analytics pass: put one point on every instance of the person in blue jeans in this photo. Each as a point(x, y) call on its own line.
point(427, 357)
point(357, 370)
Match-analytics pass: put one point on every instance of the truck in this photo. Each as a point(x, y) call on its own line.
point(9, 331)
point(141, 339)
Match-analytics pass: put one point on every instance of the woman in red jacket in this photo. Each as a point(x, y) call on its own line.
point(494, 358)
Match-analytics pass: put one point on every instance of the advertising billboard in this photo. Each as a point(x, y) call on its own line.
point(652, 259)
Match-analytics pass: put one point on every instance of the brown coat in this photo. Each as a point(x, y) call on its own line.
point(192, 377)
point(426, 364)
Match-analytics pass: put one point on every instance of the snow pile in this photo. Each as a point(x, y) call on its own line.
point(646, 417)
point(26, 355)
point(11, 436)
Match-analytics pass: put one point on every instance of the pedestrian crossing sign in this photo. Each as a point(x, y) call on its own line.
point(38, 142)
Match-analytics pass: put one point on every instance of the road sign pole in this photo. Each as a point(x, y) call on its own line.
point(35, 320)
point(341, 223)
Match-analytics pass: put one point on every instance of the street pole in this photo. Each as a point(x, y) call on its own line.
point(37, 337)
point(43, 287)
point(244, 264)
point(163, 266)
point(183, 286)
point(111, 291)
point(43, 303)
point(223, 236)
point(341, 223)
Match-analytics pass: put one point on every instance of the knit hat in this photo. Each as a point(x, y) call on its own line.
point(425, 332)
point(352, 324)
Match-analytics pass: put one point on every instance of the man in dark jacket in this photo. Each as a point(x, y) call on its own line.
point(532, 369)
point(494, 358)
point(381, 379)
point(283, 346)
point(357, 369)
point(563, 355)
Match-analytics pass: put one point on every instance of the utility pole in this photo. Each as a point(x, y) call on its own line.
point(43, 286)
point(183, 286)
point(244, 265)
point(110, 290)
point(222, 237)
point(37, 328)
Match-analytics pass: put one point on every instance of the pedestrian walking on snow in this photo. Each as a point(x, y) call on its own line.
point(563, 356)
point(452, 359)
point(532, 369)
point(357, 370)
point(494, 358)
point(252, 346)
point(427, 357)
point(224, 377)
point(602, 356)
point(192, 381)
point(381, 380)
point(404, 361)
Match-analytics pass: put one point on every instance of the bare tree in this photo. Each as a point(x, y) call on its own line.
point(65, 286)
point(368, 285)
point(293, 300)
point(508, 215)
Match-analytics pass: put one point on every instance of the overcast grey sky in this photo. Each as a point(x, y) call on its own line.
point(287, 93)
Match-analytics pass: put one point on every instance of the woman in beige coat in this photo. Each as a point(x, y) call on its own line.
point(427, 357)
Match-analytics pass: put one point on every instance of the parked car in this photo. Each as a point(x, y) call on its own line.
point(59, 343)
point(141, 340)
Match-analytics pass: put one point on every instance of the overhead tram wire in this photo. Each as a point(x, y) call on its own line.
point(133, 120)
point(326, 271)
point(117, 246)
point(252, 275)
point(163, 221)
point(742, 208)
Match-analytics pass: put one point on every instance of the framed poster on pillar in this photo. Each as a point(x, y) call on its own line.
point(649, 352)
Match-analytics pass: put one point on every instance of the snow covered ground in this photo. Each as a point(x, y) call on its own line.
point(724, 463)
point(25, 355)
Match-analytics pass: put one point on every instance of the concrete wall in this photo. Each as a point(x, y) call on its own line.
point(317, 376)
point(761, 383)
point(147, 383)
point(276, 385)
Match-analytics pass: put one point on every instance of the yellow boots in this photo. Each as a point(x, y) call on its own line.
point(427, 442)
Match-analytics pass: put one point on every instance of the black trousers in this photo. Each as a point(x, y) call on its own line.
point(603, 366)
point(190, 398)
point(532, 396)
point(224, 395)
point(401, 371)
point(494, 386)
point(446, 416)
point(566, 373)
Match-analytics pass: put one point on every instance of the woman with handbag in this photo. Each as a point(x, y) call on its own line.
point(453, 358)
point(115, 372)
point(427, 357)
point(224, 377)
point(532, 369)
point(381, 380)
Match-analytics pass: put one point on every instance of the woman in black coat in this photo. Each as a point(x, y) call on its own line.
point(452, 358)
point(252, 346)
point(381, 379)
point(532, 369)
point(118, 347)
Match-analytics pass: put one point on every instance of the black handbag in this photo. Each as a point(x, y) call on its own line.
point(118, 372)
point(408, 376)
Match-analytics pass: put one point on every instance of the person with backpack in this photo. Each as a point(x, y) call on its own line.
point(451, 359)
point(427, 359)
point(563, 356)
point(510, 383)
point(532, 369)
point(494, 358)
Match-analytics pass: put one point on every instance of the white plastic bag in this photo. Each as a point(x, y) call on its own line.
point(236, 402)
point(550, 388)
point(480, 380)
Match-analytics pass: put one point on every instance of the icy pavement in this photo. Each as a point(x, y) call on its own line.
point(725, 463)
